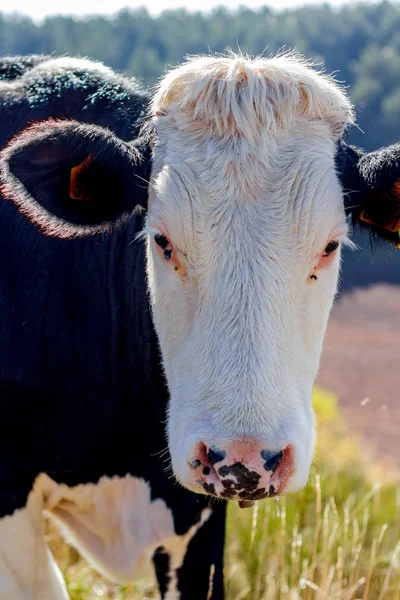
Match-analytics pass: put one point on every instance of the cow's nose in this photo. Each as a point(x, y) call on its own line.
point(242, 470)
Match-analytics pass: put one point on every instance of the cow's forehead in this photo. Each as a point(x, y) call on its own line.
point(238, 166)
point(204, 199)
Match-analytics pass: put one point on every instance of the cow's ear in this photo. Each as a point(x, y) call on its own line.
point(371, 183)
point(71, 179)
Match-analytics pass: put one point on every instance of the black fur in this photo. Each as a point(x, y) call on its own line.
point(12, 67)
point(92, 96)
point(370, 185)
point(82, 393)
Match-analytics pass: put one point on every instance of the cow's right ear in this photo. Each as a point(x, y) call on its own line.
point(371, 183)
point(72, 179)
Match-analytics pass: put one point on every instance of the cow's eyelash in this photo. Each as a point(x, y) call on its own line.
point(162, 242)
point(346, 242)
point(343, 241)
point(147, 230)
point(152, 231)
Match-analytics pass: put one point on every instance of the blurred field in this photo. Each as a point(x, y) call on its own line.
point(360, 363)
point(339, 539)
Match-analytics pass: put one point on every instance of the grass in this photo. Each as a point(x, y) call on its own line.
point(338, 539)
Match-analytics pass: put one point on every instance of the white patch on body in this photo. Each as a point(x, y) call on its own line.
point(28, 570)
point(244, 187)
point(114, 524)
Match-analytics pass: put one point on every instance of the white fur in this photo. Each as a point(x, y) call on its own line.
point(113, 523)
point(244, 186)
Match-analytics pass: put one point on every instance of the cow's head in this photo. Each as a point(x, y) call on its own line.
point(246, 218)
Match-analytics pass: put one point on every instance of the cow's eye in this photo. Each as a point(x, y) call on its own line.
point(161, 240)
point(326, 257)
point(331, 247)
point(164, 244)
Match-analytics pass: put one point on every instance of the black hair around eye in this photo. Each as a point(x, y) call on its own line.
point(331, 247)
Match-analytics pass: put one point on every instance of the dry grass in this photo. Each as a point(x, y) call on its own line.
point(336, 540)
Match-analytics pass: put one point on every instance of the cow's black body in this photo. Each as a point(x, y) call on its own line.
point(82, 392)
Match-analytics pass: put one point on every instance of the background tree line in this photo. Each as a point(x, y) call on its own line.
point(360, 42)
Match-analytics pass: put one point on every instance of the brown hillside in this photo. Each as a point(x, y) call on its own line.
point(361, 364)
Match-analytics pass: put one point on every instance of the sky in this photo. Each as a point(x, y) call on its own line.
point(38, 9)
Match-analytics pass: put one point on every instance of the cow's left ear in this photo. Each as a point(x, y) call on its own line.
point(371, 183)
point(72, 179)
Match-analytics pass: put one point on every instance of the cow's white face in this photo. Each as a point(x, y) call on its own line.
point(245, 212)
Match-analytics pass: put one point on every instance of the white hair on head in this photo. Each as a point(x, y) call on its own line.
point(235, 95)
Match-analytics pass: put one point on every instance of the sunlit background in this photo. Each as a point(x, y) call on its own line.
point(338, 540)
point(43, 8)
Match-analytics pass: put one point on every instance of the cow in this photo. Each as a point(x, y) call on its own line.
point(169, 264)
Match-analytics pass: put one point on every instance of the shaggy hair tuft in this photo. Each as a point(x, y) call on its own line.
point(235, 95)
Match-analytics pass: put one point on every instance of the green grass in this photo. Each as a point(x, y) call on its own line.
point(338, 539)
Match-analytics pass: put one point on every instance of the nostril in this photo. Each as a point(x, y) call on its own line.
point(215, 455)
point(272, 459)
point(195, 464)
